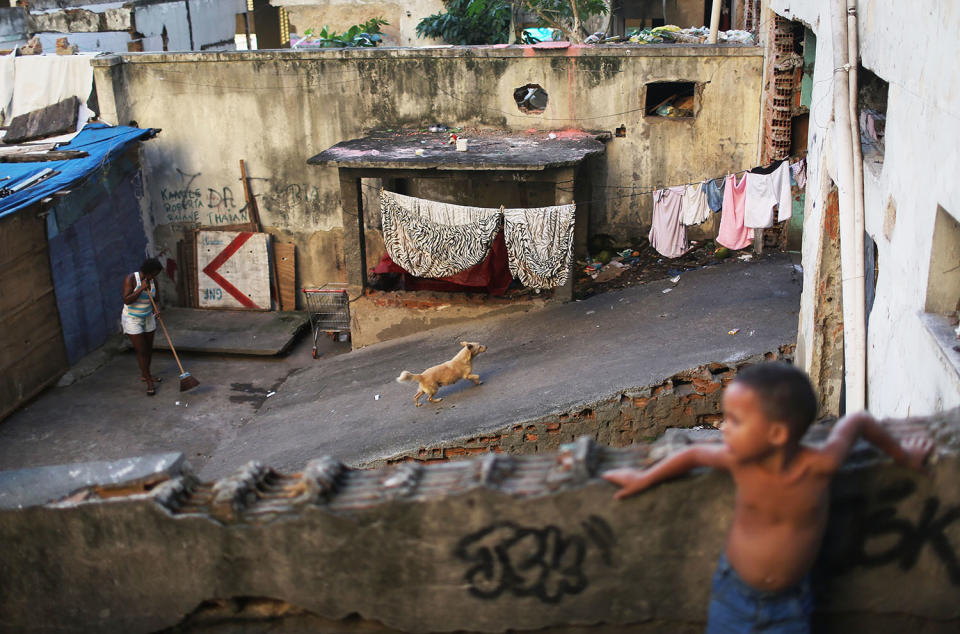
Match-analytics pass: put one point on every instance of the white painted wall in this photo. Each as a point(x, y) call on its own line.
point(214, 21)
point(916, 49)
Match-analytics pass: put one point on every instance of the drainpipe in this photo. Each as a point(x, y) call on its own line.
point(853, 58)
point(851, 257)
point(714, 21)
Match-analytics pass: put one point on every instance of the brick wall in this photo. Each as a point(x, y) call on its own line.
point(688, 399)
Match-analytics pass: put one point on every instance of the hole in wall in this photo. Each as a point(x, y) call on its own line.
point(622, 130)
point(671, 99)
point(531, 98)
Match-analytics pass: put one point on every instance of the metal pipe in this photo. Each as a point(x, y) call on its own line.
point(853, 58)
point(854, 340)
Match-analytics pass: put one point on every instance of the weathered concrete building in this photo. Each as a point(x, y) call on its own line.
point(277, 109)
point(911, 204)
point(140, 25)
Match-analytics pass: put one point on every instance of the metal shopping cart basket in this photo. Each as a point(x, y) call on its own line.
point(329, 309)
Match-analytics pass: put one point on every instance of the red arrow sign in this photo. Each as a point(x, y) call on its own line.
point(217, 262)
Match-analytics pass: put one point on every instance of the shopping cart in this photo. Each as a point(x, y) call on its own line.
point(329, 309)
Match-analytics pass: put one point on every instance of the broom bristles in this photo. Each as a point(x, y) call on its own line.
point(188, 382)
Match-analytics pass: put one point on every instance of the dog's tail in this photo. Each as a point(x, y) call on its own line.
point(407, 376)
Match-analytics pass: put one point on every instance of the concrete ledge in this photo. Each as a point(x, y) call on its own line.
point(23, 488)
point(494, 52)
point(491, 545)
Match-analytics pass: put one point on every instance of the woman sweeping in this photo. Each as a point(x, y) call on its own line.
point(138, 317)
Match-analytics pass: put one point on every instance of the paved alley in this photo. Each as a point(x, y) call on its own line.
point(349, 406)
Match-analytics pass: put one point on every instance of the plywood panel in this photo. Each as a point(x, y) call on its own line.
point(233, 270)
point(29, 376)
point(21, 233)
point(32, 354)
point(286, 255)
point(23, 279)
point(21, 331)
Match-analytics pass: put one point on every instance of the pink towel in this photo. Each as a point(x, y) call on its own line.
point(733, 234)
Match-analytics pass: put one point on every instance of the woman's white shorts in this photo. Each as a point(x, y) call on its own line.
point(138, 325)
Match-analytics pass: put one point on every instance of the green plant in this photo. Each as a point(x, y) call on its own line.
point(366, 34)
point(488, 21)
point(469, 22)
point(567, 16)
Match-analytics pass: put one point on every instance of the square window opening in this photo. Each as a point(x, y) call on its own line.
point(872, 98)
point(671, 100)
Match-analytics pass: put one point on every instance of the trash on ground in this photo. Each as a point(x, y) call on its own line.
point(675, 279)
point(666, 290)
point(733, 332)
point(746, 257)
point(376, 397)
point(270, 393)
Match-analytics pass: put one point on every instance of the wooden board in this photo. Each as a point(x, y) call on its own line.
point(56, 119)
point(285, 254)
point(233, 270)
point(32, 354)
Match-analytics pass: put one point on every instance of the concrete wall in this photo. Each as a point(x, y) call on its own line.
point(276, 109)
point(13, 27)
point(340, 15)
point(492, 545)
point(912, 366)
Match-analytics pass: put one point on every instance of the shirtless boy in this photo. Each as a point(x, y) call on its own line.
point(782, 495)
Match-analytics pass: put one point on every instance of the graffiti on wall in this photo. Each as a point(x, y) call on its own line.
point(545, 563)
point(872, 531)
point(189, 202)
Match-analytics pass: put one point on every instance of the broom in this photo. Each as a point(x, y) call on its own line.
point(187, 382)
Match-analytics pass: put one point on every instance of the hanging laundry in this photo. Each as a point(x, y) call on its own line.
point(432, 239)
point(540, 244)
point(764, 192)
point(733, 234)
point(714, 189)
point(694, 208)
point(667, 235)
point(799, 171)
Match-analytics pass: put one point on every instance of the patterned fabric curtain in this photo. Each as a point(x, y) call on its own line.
point(540, 244)
point(433, 239)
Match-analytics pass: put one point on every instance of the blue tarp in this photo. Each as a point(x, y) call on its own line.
point(100, 141)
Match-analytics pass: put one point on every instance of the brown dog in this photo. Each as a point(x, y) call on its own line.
point(432, 379)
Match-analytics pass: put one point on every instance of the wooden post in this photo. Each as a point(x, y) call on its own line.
point(354, 244)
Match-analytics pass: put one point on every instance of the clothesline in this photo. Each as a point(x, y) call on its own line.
point(646, 189)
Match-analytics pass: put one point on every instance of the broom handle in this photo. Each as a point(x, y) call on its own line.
point(165, 334)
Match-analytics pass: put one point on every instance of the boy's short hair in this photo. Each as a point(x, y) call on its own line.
point(785, 392)
point(151, 266)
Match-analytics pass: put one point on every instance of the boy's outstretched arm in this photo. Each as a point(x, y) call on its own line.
point(911, 453)
point(636, 480)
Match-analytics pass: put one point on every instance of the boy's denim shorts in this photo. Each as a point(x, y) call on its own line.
point(736, 607)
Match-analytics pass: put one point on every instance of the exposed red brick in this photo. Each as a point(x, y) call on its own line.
point(454, 451)
point(641, 402)
point(553, 427)
point(530, 437)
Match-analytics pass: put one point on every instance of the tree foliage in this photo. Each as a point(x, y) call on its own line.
point(469, 22)
point(488, 21)
point(366, 34)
